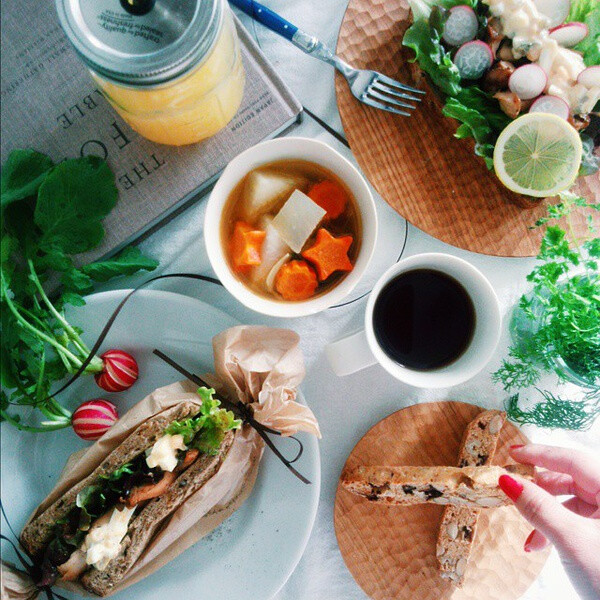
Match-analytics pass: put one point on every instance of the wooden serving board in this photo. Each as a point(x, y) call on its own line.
point(390, 551)
point(417, 165)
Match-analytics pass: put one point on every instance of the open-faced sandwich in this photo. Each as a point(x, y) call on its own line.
point(98, 529)
point(493, 61)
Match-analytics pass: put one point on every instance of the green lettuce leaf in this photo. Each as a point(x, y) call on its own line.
point(433, 57)
point(588, 12)
point(206, 430)
point(22, 174)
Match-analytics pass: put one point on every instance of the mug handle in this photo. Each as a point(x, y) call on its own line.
point(350, 354)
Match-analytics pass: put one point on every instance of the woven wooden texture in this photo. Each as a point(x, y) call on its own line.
point(390, 551)
point(416, 164)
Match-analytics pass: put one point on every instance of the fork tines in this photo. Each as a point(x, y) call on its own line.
point(385, 93)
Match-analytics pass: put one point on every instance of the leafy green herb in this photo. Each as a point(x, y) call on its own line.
point(49, 214)
point(126, 469)
point(206, 430)
point(560, 318)
point(555, 412)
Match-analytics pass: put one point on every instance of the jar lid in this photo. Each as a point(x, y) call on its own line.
point(141, 42)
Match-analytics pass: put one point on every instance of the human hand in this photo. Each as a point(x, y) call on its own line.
point(573, 526)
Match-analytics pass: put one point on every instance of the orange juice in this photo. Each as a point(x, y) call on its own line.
point(174, 72)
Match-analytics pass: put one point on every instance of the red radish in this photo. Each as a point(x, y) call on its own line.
point(528, 81)
point(590, 77)
point(94, 418)
point(473, 59)
point(120, 371)
point(556, 10)
point(551, 104)
point(569, 34)
point(461, 25)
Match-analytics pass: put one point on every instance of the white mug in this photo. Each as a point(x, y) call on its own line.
point(362, 349)
point(280, 149)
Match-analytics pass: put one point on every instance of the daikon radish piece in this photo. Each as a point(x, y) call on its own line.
point(264, 189)
point(297, 219)
point(273, 249)
point(270, 280)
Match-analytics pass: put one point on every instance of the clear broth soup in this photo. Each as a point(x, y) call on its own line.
point(291, 246)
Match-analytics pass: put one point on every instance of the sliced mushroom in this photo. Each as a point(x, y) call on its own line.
point(580, 122)
point(510, 103)
point(494, 34)
point(74, 567)
point(505, 51)
point(190, 456)
point(150, 490)
point(496, 78)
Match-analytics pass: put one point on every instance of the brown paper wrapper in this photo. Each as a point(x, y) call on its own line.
point(260, 366)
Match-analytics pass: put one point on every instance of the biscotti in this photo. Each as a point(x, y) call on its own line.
point(458, 525)
point(476, 487)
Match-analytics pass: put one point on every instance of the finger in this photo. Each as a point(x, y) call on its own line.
point(582, 508)
point(541, 509)
point(557, 484)
point(583, 468)
point(535, 542)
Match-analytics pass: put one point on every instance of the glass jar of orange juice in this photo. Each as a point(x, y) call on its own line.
point(171, 68)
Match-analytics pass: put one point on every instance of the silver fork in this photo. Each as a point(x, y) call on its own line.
point(371, 87)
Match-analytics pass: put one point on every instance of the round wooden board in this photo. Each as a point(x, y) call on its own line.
point(417, 165)
point(390, 551)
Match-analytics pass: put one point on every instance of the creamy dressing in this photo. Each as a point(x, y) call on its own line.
point(164, 452)
point(528, 29)
point(103, 542)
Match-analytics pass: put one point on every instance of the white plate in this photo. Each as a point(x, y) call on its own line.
point(252, 554)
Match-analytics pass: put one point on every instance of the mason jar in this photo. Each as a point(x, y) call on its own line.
point(171, 68)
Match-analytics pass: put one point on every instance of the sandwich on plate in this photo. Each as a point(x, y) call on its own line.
point(96, 531)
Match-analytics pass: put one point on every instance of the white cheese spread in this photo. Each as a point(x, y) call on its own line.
point(103, 542)
point(528, 29)
point(164, 452)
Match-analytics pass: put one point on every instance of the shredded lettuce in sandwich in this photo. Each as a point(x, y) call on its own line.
point(206, 430)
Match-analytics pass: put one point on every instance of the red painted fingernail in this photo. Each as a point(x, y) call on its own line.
point(511, 487)
point(528, 541)
point(517, 446)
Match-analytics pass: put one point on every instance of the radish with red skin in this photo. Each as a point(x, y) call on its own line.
point(551, 104)
point(94, 418)
point(473, 59)
point(569, 34)
point(528, 81)
point(461, 25)
point(556, 10)
point(120, 371)
point(590, 76)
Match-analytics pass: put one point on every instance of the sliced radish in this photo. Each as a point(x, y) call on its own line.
point(473, 59)
point(556, 10)
point(528, 81)
point(551, 104)
point(590, 77)
point(569, 34)
point(461, 25)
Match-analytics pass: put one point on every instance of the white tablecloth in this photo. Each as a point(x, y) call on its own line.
point(348, 407)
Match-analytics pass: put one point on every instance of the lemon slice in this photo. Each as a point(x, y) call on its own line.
point(538, 154)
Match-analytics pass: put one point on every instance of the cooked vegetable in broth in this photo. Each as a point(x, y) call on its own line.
point(291, 230)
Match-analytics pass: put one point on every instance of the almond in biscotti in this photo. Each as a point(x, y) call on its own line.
point(458, 525)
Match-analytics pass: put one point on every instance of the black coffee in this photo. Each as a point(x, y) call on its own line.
point(424, 319)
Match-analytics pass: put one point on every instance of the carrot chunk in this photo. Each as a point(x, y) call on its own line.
point(296, 280)
point(330, 196)
point(329, 254)
point(245, 246)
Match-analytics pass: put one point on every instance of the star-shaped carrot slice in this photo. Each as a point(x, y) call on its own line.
point(246, 244)
point(329, 254)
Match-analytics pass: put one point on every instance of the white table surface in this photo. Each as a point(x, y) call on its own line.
point(347, 407)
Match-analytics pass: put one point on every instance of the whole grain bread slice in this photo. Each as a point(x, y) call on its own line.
point(476, 487)
point(458, 525)
point(37, 534)
point(144, 525)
